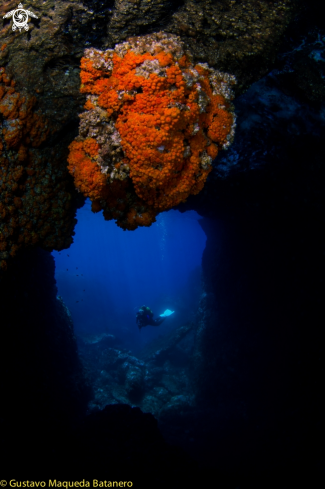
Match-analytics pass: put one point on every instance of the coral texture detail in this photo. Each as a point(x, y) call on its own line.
point(35, 189)
point(152, 127)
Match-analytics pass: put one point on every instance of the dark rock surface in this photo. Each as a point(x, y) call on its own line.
point(42, 384)
point(126, 440)
point(45, 390)
point(152, 381)
point(259, 355)
point(239, 37)
point(276, 160)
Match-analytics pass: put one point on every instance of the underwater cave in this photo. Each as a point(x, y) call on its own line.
point(107, 274)
point(196, 197)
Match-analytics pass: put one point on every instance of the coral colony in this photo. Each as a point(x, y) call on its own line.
point(153, 125)
point(35, 204)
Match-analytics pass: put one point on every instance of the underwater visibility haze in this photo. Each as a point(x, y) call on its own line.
point(108, 274)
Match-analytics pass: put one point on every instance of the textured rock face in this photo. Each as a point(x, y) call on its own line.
point(276, 159)
point(230, 35)
point(240, 38)
point(234, 36)
point(43, 61)
point(37, 198)
point(39, 95)
point(150, 383)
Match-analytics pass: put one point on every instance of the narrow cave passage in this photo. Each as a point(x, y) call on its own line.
point(105, 277)
point(108, 274)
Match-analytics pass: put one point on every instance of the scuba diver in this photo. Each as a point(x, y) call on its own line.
point(144, 317)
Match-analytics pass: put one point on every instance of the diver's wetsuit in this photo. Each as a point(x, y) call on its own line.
point(144, 318)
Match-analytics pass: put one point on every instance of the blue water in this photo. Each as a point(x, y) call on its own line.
point(108, 273)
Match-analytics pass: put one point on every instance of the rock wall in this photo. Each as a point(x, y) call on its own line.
point(44, 396)
point(258, 354)
point(258, 357)
point(42, 385)
point(40, 68)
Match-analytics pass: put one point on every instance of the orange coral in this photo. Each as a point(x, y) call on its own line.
point(87, 176)
point(168, 120)
point(35, 191)
point(22, 123)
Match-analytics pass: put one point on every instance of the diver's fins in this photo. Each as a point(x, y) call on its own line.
point(167, 313)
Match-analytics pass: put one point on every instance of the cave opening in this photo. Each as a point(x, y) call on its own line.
point(105, 277)
point(108, 274)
